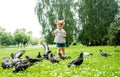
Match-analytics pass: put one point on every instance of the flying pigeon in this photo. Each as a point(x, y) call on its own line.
point(18, 54)
point(47, 50)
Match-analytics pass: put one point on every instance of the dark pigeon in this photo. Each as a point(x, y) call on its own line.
point(78, 61)
point(63, 57)
point(26, 61)
point(53, 59)
point(32, 60)
point(21, 67)
point(6, 65)
point(39, 55)
point(12, 55)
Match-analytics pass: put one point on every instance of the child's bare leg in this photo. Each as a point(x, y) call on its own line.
point(63, 51)
point(59, 49)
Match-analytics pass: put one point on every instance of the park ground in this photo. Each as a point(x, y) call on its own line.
point(92, 66)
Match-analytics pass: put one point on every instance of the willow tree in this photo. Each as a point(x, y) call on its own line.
point(49, 10)
point(96, 16)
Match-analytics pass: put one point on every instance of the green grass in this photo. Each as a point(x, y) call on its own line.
point(93, 66)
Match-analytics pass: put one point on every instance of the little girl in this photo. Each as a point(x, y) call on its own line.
point(60, 35)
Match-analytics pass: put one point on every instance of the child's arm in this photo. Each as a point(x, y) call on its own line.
point(54, 32)
point(64, 35)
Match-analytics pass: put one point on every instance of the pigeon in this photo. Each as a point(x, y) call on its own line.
point(6, 59)
point(78, 61)
point(87, 54)
point(12, 55)
point(16, 57)
point(21, 67)
point(47, 50)
point(6, 62)
point(39, 55)
point(104, 54)
point(6, 65)
point(15, 61)
point(53, 59)
point(63, 57)
point(26, 61)
point(18, 54)
point(32, 60)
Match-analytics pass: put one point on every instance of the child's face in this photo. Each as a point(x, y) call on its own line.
point(60, 25)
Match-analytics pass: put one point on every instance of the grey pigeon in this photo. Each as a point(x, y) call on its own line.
point(15, 61)
point(104, 54)
point(18, 54)
point(47, 50)
point(6, 62)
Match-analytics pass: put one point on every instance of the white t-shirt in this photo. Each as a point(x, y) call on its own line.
point(59, 36)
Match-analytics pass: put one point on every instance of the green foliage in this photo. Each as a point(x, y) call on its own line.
point(49, 39)
point(114, 34)
point(21, 37)
point(74, 43)
point(96, 16)
point(35, 41)
point(93, 66)
point(5, 38)
point(49, 10)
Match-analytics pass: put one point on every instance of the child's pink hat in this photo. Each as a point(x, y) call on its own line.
point(59, 22)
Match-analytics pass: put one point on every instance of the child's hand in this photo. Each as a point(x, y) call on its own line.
point(64, 35)
point(53, 33)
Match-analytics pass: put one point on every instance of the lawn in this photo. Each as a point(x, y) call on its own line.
point(93, 66)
